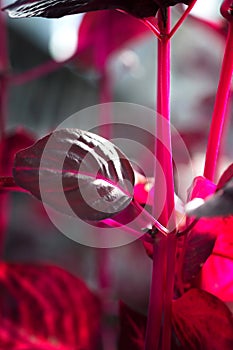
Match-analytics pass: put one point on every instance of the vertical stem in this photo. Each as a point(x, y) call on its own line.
point(3, 73)
point(219, 113)
point(106, 109)
point(164, 248)
point(3, 110)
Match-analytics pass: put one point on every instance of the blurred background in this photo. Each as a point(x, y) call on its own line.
point(39, 105)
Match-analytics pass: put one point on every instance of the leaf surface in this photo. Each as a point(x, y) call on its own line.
point(220, 204)
point(202, 322)
point(43, 304)
point(78, 173)
point(132, 329)
point(59, 8)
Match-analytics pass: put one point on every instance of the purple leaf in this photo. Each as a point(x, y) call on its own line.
point(95, 177)
point(59, 8)
point(202, 321)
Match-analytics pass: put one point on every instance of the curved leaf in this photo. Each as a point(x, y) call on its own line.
point(44, 304)
point(220, 204)
point(226, 176)
point(202, 322)
point(59, 8)
point(94, 176)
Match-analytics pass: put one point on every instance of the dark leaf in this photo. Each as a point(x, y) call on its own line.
point(103, 33)
point(59, 8)
point(13, 142)
point(198, 247)
point(132, 329)
point(220, 204)
point(95, 177)
point(46, 305)
point(226, 176)
point(202, 322)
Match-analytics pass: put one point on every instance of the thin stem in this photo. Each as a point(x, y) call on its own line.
point(150, 23)
point(219, 113)
point(164, 249)
point(151, 219)
point(154, 322)
point(182, 18)
point(4, 67)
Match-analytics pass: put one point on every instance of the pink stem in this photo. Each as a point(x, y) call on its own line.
point(219, 113)
point(106, 108)
point(182, 18)
point(4, 67)
point(164, 249)
point(152, 25)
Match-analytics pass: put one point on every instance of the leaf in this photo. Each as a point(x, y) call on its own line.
point(217, 273)
point(103, 33)
point(95, 177)
point(132, 329)
point(202, 322)
point(220, 204)
point(198, 247)
point(226, 176)
point(13, 142)
point(59, 8)
point(45, 304)
point(14, 338)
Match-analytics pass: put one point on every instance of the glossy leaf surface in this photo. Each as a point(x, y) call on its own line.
point(202, 322)
point(95, 177)
point(59, 8)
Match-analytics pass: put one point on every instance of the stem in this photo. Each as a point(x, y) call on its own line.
point(105, 107)
point(182, 18)
point(162, 285)
point(152, 25)
point(150, 218)
point(4, 66)
point(219, 113)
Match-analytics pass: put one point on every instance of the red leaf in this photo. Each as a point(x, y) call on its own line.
point(132, 329)
point(13, 337)
point(48, 303)
point(202, 322)
point(217, 273)
point(102, 33)
point(97, 179)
